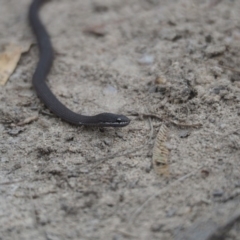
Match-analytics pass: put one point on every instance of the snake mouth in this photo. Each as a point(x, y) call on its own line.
point(115, 124)
point(106, 124)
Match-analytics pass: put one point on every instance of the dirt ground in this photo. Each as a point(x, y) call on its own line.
point(157, 61)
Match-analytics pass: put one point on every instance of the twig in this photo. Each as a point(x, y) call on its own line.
point(28, 120)
point(165, 120)
point(186, 124)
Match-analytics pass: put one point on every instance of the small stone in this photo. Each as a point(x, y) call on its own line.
point(153, 89)
point(110, 90)
point(218, 89)
point(160, 80)
point(15, 131)
point(205, 173)
point(146, 59)
point(218, 193)
point(107, 141)
point(184, 133)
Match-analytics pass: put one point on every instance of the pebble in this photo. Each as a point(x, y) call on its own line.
point(110, 90)
point(218, 193)
point(107, 141)
point(15, 131)
point(184, 133)
point(146, 59)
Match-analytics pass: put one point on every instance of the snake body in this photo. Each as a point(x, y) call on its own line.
point(44, 92)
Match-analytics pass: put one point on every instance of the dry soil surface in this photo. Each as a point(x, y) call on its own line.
point(160, 62)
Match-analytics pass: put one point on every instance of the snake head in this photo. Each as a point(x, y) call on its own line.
point(112, 120)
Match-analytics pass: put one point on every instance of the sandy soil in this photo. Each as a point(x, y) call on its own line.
point(175, 59)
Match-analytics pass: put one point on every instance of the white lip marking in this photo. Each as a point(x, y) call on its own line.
point(115, 123)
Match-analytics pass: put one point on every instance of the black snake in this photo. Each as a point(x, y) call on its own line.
point(42, 89)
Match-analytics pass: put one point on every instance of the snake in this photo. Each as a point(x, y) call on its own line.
point(44, 93)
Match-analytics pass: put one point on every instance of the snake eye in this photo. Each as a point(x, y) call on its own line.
point(119, 120)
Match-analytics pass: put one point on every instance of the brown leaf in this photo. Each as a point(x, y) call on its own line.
point(9, 60)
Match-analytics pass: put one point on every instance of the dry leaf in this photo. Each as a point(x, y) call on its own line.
point(9, 60)
point(160, 152)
